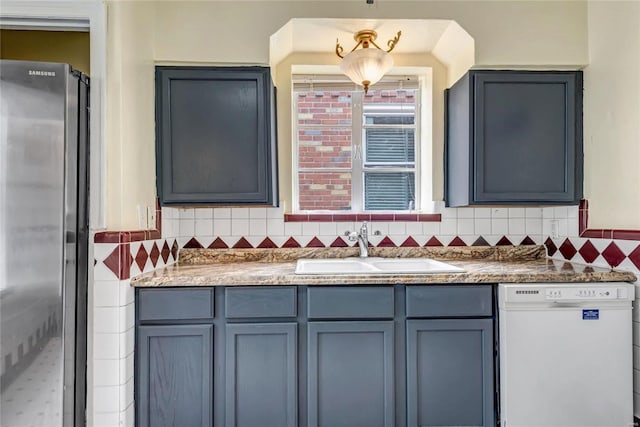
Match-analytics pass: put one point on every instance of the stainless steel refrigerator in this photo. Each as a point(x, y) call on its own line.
point(43, 244)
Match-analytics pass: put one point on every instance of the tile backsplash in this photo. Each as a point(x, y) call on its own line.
point(230, 225)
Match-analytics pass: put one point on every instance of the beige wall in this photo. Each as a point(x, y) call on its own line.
point(518, 33)
point(130, 113)
point(506, 33)
point(71, 47)
point(612, 115)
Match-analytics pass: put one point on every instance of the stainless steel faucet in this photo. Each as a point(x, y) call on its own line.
point(363, 239)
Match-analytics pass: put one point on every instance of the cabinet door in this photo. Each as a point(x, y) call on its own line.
point(261, 378)
point(450, 373)
point(528, 141)
point(174, 377)
point(215, 136)
point(350, 374)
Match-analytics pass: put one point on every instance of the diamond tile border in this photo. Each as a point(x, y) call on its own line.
point(225, 242)
point(566, 248)
point(609, 253)
point(132, 258)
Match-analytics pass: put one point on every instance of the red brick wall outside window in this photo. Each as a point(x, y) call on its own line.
point(324, 141)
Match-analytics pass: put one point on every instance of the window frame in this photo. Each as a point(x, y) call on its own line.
point(358, 144)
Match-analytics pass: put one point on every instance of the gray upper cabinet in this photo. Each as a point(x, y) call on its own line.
point(215, 136)
point(514, 137)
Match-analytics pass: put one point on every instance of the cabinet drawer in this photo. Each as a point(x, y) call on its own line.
point(260, 302)
point(449, 301)
point(350, 302)
point(175, 304)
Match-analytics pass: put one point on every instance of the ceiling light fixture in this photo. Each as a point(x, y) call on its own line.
point(366, 66)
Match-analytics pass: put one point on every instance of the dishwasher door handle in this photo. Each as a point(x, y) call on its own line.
point(559, 304)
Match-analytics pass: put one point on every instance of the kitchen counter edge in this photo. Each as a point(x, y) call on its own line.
point(283, 273)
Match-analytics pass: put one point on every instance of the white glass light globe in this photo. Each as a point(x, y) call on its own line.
point(366, 66)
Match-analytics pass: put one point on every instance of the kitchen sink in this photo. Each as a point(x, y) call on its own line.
point(374, 266)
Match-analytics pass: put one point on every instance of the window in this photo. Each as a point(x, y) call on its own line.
point(356, 152)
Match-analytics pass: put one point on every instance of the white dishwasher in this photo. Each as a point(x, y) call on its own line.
point(566, 355)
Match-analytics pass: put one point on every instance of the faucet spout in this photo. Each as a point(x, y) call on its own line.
point(363, 240)
point(364, 247)
point(362, 237)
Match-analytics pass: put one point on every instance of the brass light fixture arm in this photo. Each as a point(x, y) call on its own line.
point(339, 49)
point(366, 37)
point(375, 44)
point(356, 46)
point(393, 42)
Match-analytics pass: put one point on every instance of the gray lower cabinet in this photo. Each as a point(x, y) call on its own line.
point(450, 372)
point(333, 356)
point(261, 367)
point(174, 375)
point(350, 374)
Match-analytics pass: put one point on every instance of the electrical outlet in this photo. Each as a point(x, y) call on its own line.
point(151, 218)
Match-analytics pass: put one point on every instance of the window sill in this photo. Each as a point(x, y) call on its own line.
point(371, 217)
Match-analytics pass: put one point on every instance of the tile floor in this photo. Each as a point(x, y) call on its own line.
point(34, 399)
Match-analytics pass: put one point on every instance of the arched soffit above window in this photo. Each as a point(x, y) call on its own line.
point(443, 38)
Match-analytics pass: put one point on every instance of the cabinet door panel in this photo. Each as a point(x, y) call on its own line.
point(174, 376)
point(350, 374)
point(450, 372)
point(215, 136)
point(514, 137)
point(525, 136)
point(261, 375)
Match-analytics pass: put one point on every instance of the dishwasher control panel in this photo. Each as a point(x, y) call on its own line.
point(579, 293)
point(531, 293)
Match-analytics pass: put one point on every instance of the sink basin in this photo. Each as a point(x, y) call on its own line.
point(413, 265)
point(374, 266)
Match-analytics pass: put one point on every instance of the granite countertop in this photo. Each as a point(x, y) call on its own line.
point(499, 264)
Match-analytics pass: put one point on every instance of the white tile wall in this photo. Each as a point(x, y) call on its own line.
point(113, 350)
point(127, 416)
point(106, 399)
point(255, 224)
point(203, 213)
point(499, 226)
point(482, 226)
point(113, 322)
point(106, 419)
